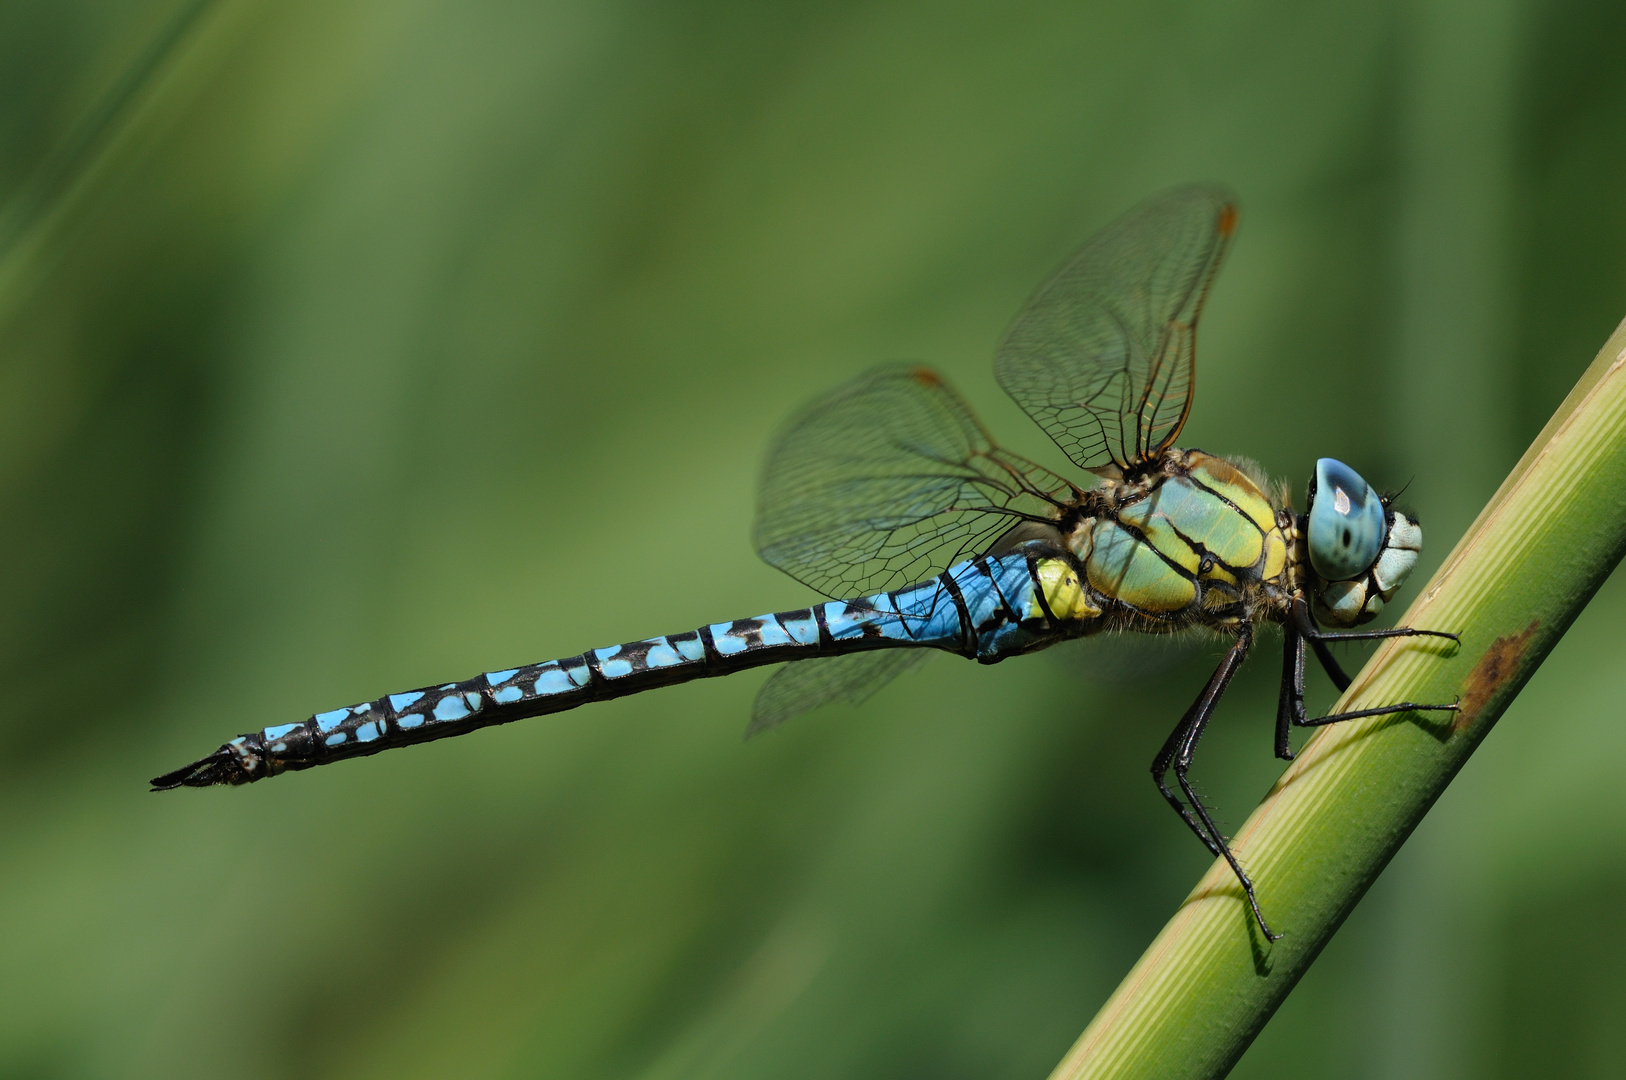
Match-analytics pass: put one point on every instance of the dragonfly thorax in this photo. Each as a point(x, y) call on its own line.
point(1194, 542)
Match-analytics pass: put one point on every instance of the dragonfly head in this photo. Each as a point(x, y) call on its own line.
point(1361, 548)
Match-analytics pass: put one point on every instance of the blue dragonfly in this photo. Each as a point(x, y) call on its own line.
point(888, 497)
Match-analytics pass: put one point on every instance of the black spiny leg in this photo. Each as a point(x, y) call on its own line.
point(1329, 664)
point(1303, 628)
point(1177, 753)
point(1290, 705)
point(1165, 761)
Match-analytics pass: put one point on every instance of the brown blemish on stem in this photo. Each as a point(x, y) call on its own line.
point(1499, 664)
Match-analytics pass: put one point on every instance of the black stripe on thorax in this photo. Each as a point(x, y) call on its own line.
point(1201, 551)
point(1239, 511)
point(1140, 538)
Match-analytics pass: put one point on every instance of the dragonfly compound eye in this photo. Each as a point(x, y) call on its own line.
point(1350, 603)
point(1347, 523)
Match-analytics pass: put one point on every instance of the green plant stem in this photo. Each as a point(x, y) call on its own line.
point(1515, 582)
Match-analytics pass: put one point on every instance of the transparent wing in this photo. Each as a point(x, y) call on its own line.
point(1103, 355)
point(1128, 660)
point(803, 685)
point(888, 480)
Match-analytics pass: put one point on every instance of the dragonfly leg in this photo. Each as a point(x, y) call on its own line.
point(1176, 756)
point(1382, 710)
point(1164, 762)
point(1303, 626)
point(1312, 633)
point(1290, 704)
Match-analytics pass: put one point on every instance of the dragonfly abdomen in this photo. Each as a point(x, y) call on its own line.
point(987, 607)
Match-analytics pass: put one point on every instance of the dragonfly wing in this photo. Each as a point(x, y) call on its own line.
point(1102, 356)
point(1127, 660)
point(804, 685)
point(887, 480)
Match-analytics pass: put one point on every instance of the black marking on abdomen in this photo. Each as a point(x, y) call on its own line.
point(596, 679)
point(636, 655)
point(1051, 622)
point(968, 637)
point(826, 639)
point(865, 616)
point(747, 631)
point(982, 566)
point(712, 656)
point(692, 635)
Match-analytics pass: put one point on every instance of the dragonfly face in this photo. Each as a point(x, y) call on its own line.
point(1360, 550)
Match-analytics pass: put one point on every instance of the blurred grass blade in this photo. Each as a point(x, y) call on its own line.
point(51, 184)
point(1535, 556)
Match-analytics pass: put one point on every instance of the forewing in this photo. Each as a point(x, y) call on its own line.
point(1102, 356)
point(888, 480)
point(804, 685)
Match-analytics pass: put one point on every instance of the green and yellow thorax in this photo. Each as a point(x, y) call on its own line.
point(1195, 541)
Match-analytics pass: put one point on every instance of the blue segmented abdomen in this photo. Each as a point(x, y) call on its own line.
point(987, 607)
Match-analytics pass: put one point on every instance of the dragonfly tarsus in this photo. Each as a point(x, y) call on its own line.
point(1381, 710)
point(1290, 710)
point(1318, 640)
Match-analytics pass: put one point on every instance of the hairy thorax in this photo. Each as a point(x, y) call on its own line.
point(1193, 541)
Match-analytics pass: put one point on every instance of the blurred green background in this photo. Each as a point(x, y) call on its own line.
point(349, 346)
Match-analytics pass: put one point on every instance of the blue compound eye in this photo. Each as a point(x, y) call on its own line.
point(1346, 522)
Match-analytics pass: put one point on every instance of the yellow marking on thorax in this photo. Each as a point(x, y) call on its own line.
point(1223, 478)
point(1275, 556)
point(1130, 570)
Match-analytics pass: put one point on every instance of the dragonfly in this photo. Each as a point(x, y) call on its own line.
point(889, 498)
